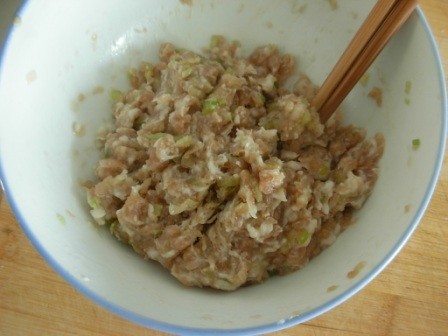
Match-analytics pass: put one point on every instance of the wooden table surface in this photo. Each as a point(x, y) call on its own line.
point(409, 298)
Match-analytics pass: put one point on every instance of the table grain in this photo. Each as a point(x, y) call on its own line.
point(410, 297)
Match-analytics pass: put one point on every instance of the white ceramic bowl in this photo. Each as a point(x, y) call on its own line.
point(59, 50)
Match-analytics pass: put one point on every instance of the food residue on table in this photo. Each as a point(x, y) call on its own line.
point(186, 2)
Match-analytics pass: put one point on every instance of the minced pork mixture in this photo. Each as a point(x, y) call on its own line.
point(218, 172)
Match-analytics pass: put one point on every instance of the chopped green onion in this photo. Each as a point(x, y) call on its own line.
point(210, 105)
point(113, 226)
point(214, 41)
point(61, 218)
point(324, 198)
point(273, 46)
point(93, 202)
point(305, 119)
point(260, 99)
point(271, 124)
point(228, 181)
point(140, 121)
point(184, 141)
point(158, 209)
point(302, 237)
point(257, 194)
point(188, 205)
point(208, 272)
point(339, 176)
point(133, 78)
point(416, 144)
point(116, 95)
point(156, 233)
point(156, 136)
point(187, 71)
point(407, 101)
point(193, 91)
point(148, 71)
point(230, 71)
point(272, 272)
point(324, 170)
point(227, 185)
point(236, 43)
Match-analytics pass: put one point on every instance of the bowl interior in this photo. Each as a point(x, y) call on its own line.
point(57, 72)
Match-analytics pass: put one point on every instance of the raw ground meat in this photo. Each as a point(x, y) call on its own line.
point(218, 172)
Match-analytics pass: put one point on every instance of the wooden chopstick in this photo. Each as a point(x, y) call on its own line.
point(385, 19)
point(371, 24)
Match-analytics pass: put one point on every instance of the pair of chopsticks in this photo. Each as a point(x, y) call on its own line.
point(385, 19)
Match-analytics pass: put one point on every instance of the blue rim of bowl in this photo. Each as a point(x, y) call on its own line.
point(267, 328)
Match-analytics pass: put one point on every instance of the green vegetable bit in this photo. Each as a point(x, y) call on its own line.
point(148, 71)
point(116, 95)
point(187, 71)
point(271, 124)
point(324, 171)
point(210, 105)
point(305, 118)
point(187, 205)
point(114, 226)
point(272, 272)
point(183, 141)
point(228, 181)
point(156, 136)
point(302, 237)
point(61, 218)
point(215, 40)
point(416, 144)
point(93, 202)
point(230, 71)
point(227, 185)
point(158, 209)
